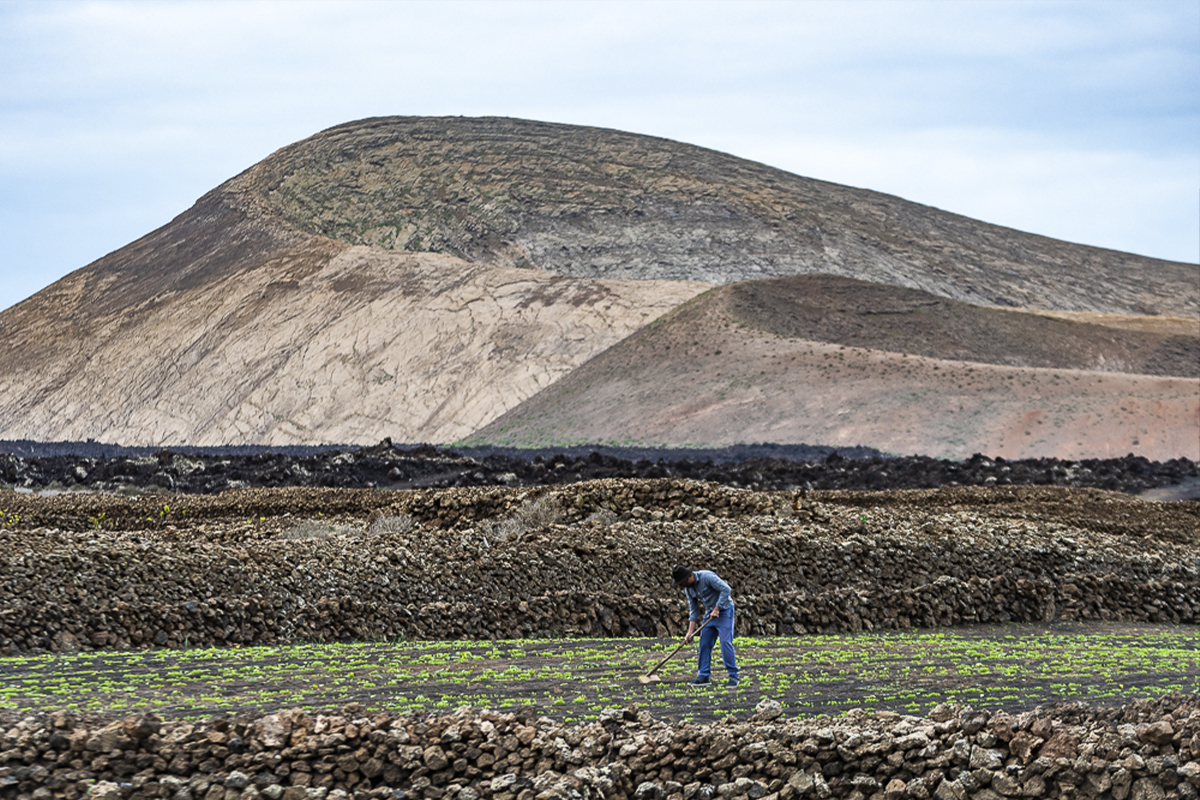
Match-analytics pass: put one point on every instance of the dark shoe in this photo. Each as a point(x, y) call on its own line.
point(698, 681)
point(732, 683)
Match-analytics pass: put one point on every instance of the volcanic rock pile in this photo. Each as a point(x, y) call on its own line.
point(269, 566)
point(1143, 750)
point(30, 465)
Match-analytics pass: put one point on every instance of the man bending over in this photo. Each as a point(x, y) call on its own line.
point(705, 590)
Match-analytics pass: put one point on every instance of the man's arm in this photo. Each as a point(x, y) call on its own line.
point(693, 615)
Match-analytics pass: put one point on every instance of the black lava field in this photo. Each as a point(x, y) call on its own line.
point(34, 466)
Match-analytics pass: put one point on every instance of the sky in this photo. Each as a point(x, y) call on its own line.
point(1077, 120)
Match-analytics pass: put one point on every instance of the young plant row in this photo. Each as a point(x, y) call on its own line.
point(1010, 667)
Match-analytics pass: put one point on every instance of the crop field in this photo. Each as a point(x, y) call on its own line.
point(1012, 667)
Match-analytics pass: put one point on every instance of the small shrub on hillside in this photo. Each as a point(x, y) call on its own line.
point(539, 512)
point(602, 517)
point(397, 523)
point(500, 529)
point(314, 529)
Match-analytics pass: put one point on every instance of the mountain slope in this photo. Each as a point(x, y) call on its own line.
point(591, 202)
point(223, 328)
point(701, 375)
point(830, 308)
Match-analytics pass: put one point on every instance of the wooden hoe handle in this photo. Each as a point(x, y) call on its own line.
point(667, 657)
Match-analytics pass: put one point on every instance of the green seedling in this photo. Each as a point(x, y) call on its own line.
point(1013, 667)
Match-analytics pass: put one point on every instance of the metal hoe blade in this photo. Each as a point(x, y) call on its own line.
point(651, 676)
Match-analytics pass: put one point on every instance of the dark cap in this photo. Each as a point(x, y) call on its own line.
point(680, 574)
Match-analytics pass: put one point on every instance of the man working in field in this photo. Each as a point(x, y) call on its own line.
point(705, 590)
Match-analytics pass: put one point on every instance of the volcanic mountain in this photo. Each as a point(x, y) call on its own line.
point(419, 277)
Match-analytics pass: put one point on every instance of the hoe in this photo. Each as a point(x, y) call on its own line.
point(653, 675)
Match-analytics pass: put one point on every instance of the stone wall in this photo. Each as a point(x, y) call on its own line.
point(31, 627)
point(447, 565)
point(434, 508)
point(1144, 751)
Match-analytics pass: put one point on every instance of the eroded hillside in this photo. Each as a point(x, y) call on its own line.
point(703, 374)
point(844, 311)
point(220, 328)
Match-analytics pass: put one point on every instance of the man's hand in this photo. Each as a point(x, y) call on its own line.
point(716, 612)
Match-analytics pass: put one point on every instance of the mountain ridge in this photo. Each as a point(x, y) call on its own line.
point(593, 202)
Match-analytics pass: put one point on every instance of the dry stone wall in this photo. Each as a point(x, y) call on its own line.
point(1143, 751)
point(434, 508)
point(589, 561)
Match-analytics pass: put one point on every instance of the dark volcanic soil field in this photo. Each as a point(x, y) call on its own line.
point(1014, 667)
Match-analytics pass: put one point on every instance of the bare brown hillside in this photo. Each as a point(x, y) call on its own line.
point(830, 308)
point(1176, 326)
point(700, 375)
point(228, 327)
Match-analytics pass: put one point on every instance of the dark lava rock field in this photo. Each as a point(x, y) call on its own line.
point(34, 466)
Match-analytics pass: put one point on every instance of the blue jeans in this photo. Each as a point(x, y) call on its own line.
point(722, 628)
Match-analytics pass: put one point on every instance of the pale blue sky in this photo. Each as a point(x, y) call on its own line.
point(1078, 120)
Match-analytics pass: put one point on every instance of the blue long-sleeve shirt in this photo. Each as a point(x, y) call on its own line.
point(710, 592)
